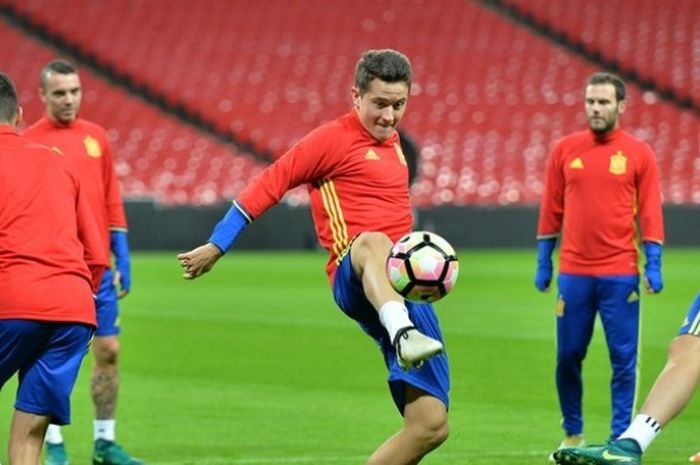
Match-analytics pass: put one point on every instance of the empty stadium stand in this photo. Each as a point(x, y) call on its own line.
point(490, 96)
point(157, 156)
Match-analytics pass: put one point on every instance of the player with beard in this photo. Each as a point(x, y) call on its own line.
point(598, 184)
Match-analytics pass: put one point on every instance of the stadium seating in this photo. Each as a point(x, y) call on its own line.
point(157, 156)
point(655, 40)
point(488, 101)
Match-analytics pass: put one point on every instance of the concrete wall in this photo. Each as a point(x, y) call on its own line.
point(155, 227)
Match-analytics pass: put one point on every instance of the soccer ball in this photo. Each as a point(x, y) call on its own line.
point(422, 266)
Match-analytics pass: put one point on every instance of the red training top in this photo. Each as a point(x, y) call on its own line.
point(87, 150)
point(47, 234)
point(356, 184)
point(595, 188)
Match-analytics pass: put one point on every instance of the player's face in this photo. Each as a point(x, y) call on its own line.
point(602, 108)
point(62, 94)
point(381, 107)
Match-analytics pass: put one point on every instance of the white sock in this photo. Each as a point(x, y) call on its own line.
point(104, 429)
point(394, 316)
point(643, 429)
point(53, 434)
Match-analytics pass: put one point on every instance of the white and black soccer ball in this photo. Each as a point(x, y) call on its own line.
point(422, 266)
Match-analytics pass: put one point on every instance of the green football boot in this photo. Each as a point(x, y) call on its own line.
point(111, 453)
point(55, 454)
point(620, 452)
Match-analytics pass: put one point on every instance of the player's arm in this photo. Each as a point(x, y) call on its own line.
point(545, 269)
point(198, 261)
point(118, 232)
point(651, 221)
point(307, 161)
point(550, 221)
point(119, 244)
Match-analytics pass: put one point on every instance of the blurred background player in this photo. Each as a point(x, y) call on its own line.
point(85, 146)
point(358, 184)
point(671, 392)
point(51, 261)
point(598, 183)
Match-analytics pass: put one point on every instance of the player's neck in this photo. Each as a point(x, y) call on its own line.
point(607, 135)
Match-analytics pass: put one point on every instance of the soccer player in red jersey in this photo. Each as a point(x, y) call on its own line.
point(673, 389)
point(598, 183)
point(358, 183)
point(86, 148)
point(51, 261)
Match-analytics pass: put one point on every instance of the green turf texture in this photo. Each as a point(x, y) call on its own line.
point(253, 364)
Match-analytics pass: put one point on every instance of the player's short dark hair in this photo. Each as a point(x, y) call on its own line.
point(9, 103)
point(387, 65)
point(609, 78)
point(57, 66)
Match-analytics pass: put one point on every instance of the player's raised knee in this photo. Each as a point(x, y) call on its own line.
point(373, 242)
point(432, 435)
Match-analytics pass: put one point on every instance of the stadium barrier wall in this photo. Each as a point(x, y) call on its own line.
point(156, 227)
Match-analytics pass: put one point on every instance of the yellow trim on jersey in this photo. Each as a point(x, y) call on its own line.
point(339, 229)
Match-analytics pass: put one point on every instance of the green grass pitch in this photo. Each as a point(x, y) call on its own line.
point(253, 364)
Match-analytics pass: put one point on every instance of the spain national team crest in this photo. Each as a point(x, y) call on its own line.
point(92, 147)
point(618, 163)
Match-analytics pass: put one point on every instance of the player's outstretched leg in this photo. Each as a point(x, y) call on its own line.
point(620, 452)
point(425, 428)
point(369, 253)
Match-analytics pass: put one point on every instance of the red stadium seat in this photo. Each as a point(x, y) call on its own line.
point(488, 101)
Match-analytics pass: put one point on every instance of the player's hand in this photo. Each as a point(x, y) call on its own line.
point(199, 261)
point(653, 280)
point(122, 262)
point(543, 276)
point(122, 282)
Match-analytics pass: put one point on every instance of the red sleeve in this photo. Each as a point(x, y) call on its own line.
point(311, 159)
point(552, 203)
point(89, 234)
point(650, 213)
point(113, 199)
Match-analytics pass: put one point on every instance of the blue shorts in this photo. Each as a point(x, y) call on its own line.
point(107, 308)
point(47, 357)
point(433, 376)
point(691, 324)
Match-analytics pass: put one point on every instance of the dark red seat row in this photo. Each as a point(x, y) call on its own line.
point(488, 101)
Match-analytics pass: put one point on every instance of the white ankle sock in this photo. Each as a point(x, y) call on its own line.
point(104, 429)
point(53, 434)
point(643, 429)
point(394, 316)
